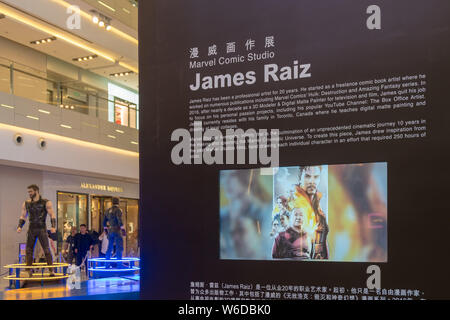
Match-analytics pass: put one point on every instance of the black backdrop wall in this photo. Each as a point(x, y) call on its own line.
point(180, 204)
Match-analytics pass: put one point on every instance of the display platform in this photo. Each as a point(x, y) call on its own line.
point(101, 267)
point(17, 279)
point(112, 288)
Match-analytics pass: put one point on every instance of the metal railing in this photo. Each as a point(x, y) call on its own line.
point(27, 82)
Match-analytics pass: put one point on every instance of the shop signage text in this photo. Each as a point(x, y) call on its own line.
point(101, 187)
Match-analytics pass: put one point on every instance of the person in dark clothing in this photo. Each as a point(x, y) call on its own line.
point(95, 235)
point(36, 209)
point(83, 243)
point(69, 246)
point(116, 230)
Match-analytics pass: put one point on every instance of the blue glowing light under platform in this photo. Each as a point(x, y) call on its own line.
point(115, 260)
point(101, 267)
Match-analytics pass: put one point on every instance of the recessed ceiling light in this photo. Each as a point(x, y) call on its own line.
point(121, 74)
point(101, 20)
point(65, 126)
point(85, 58)
point(46, 40)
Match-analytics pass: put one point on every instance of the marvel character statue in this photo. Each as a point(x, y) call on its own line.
point(115, 231)
point(36, 209)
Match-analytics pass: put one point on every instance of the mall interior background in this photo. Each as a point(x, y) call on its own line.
point(78, 94)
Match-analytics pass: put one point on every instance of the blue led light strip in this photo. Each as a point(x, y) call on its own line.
point(113, 270)
point(114, 260)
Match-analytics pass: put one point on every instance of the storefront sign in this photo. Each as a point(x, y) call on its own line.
point(101, 187)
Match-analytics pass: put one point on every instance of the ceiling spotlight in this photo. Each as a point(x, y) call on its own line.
point(86, 58)
point(101, 20)
point(121, 74)
point(46, 40)
point(72, 107)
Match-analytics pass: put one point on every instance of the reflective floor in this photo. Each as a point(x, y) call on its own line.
point(98, 289)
